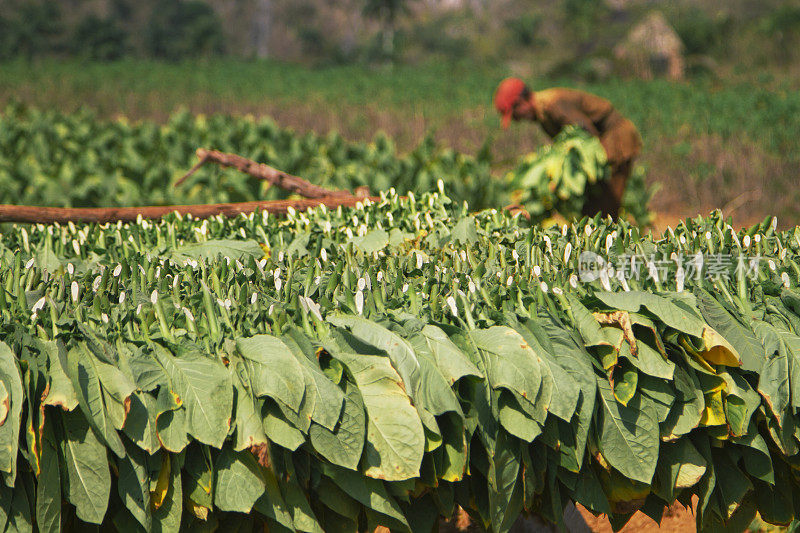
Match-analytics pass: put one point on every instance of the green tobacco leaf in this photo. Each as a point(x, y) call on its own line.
point(572, 357)
point(133, 485)
point(755, 456)
point(465, 231)
point(20, 518)
point(505, 502)
point(514, 419)
point(46, 259)
point(323, 400)
point(626, 379)
point(87, 468)
point(249, 428)
point(83, 371)
point(61, 391)
point(452, 362)
point(741, 403)
point(141, 422)
point(398, 349)
point(10, 430)
point(510, 362)
point(395, 439)
point(370, 337)
point(274, 370)
point(680, 466)
point(689, 405)
point(586, 324)
point(278, 429)
point(239, 481)
point(732, 483)
point(302, 514)
point(147, 372)
point(343, 445)
point(217, 247)
point(791, 345)
point(628, 436)
point(674, 316)
point(773, 382)
point(98, 345)
point(205, 387)
point(565, 392)
point(271, 503)
point(368, 492)
point(372, 242)
point(589, 492)
point(662, 393)
point(434, 394)
point(649, 360)
point(198, 475)
point(335, 499)
point(172, 430)
point(48, 484)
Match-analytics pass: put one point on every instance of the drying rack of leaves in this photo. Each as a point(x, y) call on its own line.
point(340, 370)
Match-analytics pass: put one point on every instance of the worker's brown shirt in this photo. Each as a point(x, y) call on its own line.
point(556, 108)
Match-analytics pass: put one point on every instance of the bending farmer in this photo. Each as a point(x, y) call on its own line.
point(556, 108)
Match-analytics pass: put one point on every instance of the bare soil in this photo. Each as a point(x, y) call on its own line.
point(677, 519)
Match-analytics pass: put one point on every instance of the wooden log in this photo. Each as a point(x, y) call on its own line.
point(294, 184)
point(49, 215)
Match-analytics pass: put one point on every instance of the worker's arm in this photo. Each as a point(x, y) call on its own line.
point(571, 115)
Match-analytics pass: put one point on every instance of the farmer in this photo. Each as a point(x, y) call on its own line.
point(556, 108)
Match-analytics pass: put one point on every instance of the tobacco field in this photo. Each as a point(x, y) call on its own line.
point(340, 370)
point(77, 160)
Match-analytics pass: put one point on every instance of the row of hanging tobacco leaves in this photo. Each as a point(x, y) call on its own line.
point(77, 160)
point(341, 370)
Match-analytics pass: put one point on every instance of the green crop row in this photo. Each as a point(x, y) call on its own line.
point(75, 160)
point(337, 370)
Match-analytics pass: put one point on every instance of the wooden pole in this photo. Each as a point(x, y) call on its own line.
point(264, 172)
point(62, 215)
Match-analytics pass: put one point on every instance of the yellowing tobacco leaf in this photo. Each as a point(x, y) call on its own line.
point(199, 511)
point(5, 403)
point(717, 350)
point(621, 320)
point(158, 495)
point(624, 495)
point(714, 412)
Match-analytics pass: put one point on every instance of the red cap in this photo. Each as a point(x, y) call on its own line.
point(508, 92)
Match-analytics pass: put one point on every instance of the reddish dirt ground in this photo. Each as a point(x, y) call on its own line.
point(677, 519)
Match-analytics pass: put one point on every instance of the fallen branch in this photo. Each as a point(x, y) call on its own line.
point(264, 172)
point(62, 215)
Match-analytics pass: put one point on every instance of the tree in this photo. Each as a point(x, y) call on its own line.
point(182, 29)
point(387, 12)
point(36, 28)
point(261, 25)
point(99, 39)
